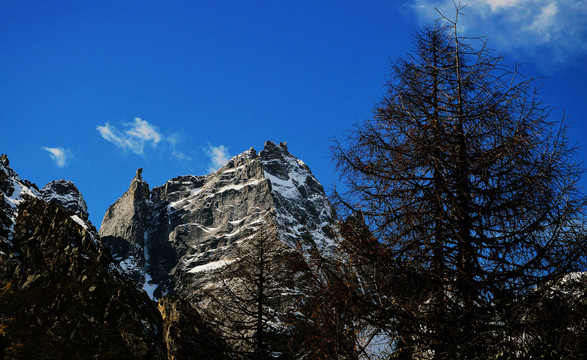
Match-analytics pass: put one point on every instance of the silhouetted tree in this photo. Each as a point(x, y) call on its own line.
point(247, 305)
point(325, 321)
point(468, 190)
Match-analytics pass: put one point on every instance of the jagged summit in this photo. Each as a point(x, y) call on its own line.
point(13, 189)
point(14, 192)
point(172, 236)
point(65, 193)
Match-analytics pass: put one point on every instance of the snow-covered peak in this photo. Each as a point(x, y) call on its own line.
point(302, 208)
point(65, 193)
point(191, 224)
point(289, 176)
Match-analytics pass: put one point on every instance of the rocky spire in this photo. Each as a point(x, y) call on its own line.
point(4, 160)
point(123, 228)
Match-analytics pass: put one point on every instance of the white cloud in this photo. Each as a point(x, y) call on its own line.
point(58, 154)
point(495, 4)
point(545, 22)
point(218, 156)
point(144, 131)
point(546, 32)
point(134, 138)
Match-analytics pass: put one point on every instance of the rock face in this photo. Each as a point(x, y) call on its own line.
point(172, 237)
point(184, 331)
point(124, 228)
point(61, 294)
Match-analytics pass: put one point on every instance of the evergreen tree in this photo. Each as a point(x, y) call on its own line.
point(247, 305)
point(469, 193)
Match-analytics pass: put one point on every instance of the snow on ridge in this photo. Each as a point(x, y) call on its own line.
point(63, 192)
point(211, 191)
point(237, 187)
point(128, 265)
point(78, 220)
point(299, 197)
point(85, 226)
point(210, 266)
point(183, 201)
point(204, 228)
point(19, 189)
point(149, 287)
point(287, 188)
point(297, 175)
point(66, 200)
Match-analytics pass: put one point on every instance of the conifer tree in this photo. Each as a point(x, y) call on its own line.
point(247, 304)
point(469, 192)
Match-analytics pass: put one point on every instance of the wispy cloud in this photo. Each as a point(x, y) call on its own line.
point(218, 156)
point(548, 31)
point(134, 138)
point(496, 4)
point(59, 155)
point(180, 155)
point(173, 140)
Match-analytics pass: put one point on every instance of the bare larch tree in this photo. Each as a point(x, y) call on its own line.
point(469, 191)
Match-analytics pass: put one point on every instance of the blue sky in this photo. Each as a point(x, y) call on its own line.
point(92, 90)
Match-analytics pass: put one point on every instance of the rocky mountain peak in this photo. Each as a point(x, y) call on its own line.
point(172, 236)
point(273, 151)
point(65, 193)
point(139, 189)
point(302, 208)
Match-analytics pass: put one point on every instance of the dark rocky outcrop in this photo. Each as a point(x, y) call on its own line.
point(63, 297)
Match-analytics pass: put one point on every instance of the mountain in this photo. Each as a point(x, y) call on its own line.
point(61, 294)
point(172, 237)
point(239, 244)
